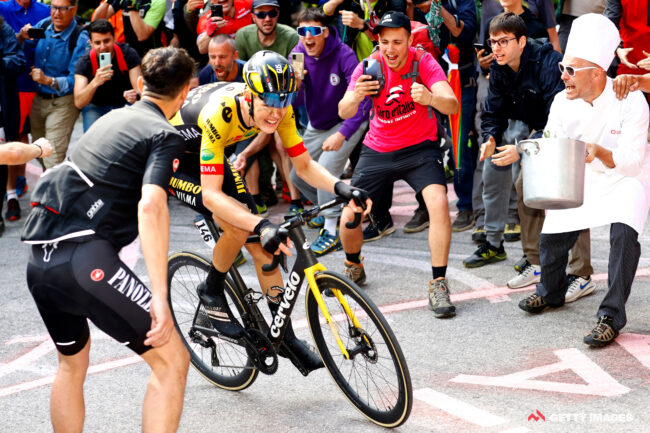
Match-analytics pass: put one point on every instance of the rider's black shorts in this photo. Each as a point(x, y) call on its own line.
point(419, 165)
point(72, 282)
point(185, 185)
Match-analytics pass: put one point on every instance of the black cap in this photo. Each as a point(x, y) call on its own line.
point(393, 20)
point(260, 3)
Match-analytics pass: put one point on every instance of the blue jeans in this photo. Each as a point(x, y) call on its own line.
point(91, 112)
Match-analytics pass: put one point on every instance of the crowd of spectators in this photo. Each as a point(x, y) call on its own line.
point(54, 65)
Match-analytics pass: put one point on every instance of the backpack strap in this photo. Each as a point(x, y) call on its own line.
point(74, 36)
point(414, 74)
point(121, 63)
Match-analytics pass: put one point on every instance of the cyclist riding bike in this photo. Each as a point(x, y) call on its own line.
point(219, 115)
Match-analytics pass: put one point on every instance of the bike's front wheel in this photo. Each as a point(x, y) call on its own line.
point(375, 378)
point(223, 362)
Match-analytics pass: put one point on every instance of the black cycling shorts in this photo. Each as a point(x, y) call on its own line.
point(185, 185)
point(72, 282)
point(419, 165)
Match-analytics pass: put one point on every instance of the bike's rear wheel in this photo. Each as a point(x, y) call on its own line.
point(376, 379)
point(235, 370)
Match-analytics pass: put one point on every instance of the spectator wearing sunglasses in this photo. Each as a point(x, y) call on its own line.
point(236, 14)
point(265, 33)
point(524, 79)
point(329, 139)
point(617, 175)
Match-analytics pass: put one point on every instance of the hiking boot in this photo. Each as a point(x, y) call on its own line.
point(374, 232)
point(439, 301)
point(464, 221)
point(355, 272)
point(13, 210)
point(419, 222)
point(305, 352)
point(512, 233)
point(579, 287)
point(602, 334)
point(535, 304)
point(485, 254)
point(316, 223)
point(478, 234)
point(218, 311)
point(530, 275)
point(521, 264)
point(326, 243)
point(262, 210)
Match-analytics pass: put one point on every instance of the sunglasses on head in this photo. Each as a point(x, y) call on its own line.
point(278, 100)
point(571, 70)
point(313, 30)
point(263, 14)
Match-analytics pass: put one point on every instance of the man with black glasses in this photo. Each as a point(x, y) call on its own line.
point(265, 33)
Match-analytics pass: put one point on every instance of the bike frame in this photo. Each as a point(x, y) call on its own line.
point(306, 267)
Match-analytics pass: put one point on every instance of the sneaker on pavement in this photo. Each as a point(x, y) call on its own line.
point(535, 304)
point(579, 287)
point(478, 234)
point(373, 232)
point(512, 233)
point(530, 275)
point(439, 301)
point(13, 210)
point(21, 186)
point(316, 223)
point(262, 210)
point(326, 243)
point(521, 263)
point(486, 254)
point(602, 334)
point(218, 311)
point(355, 272)
point(419, 222)
point(464, 221)
point(294, 210)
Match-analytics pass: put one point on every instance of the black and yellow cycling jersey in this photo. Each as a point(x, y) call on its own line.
point(211, 120)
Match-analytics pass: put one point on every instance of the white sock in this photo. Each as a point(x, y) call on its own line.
point(330, 225)
point(11, 193)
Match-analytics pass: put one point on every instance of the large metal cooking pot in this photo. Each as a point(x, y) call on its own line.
point(553, 171)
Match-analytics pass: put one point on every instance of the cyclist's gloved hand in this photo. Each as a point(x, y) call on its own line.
point(344, 190)
point(271, 235)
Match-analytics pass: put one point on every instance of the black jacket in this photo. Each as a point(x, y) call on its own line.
point(525, 95)
point(12, 62)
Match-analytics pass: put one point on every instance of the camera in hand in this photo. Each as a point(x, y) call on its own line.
point(373, 68)
point(36, 33)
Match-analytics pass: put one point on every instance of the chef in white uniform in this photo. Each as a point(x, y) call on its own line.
point(617, 176)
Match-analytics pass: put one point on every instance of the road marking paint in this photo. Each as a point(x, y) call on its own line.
point(47, 380)
point(516, 430)
point(34, 354)
point(598, 381)
point(637, 345)
point(458, 408)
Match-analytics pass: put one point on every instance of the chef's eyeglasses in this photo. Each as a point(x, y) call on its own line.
point(314, 30)
point(263, 14)
point(571, 70)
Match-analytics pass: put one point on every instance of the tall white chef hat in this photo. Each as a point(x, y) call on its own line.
point(593, 38)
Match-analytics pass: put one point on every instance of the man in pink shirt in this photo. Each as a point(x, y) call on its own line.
point(403, 143)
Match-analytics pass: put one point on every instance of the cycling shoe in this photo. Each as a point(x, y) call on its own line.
point(218, 311)
point(306, 353)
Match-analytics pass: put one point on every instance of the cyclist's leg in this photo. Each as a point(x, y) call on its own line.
point(163, 401)
point(67, 408)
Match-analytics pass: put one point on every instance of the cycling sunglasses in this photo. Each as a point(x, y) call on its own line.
point(571, 70)
point(314, 30)
point(278, 100)
point(263, 14)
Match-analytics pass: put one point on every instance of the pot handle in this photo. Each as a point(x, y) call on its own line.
point(522, 148)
